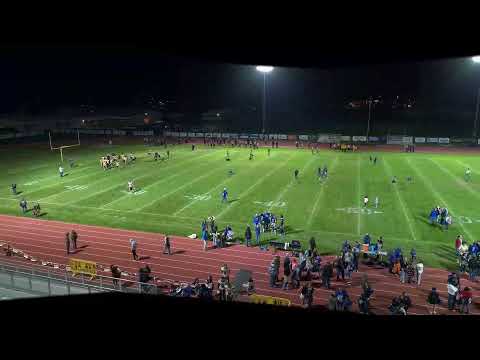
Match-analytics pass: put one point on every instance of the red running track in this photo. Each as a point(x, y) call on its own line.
point(44, 239)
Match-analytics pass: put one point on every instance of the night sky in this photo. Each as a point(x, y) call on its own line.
point(46, 80)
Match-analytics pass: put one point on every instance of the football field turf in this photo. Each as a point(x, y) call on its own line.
point(173, 196)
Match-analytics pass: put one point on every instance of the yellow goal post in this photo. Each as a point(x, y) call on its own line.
point(63, 146)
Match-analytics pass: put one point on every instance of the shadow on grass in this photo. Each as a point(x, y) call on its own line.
point(18, 193)
point(42, 214)
point(233, 200)
point(64, 175)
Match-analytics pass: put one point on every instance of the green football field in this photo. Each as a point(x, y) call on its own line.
point(173, 196)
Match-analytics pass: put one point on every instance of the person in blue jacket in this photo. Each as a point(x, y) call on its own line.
point(224, 195)
point(257, 233)
point(367, 239)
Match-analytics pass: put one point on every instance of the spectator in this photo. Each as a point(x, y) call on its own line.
point(413, 254)
point(295, 273)
point(144, 277)
point(327, 273)
point(367, 239)
point(9, 250)
point(116, 274)
point(73, 238)
point(405, 301)
point(356, 253)
point(306, 294)
point(452, 296)
point(287, 272)
point(403, 274)
point(167, 245)
point(133, 248)
point(340, 269)
point(410, 273)
point(273, 274)
point(67, 242)
point(332, 302)
point(397, 307)
point(419, 273)
point(363, 304)
point(343, 300)
point(248, 235)
point(313, 245)
point(205, 239)
point(434, 300)
point(466, 300)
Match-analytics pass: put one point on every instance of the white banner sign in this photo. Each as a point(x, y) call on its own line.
point(432, 140)
point(282, 137)
point(191, 134)
point(303, 137)
point(420, 140)
point(444, 140)
point(182, 134)
point(408, 140)
point(373, 138)
point(359, 138)
point(143, 133)
point(345, 138)
point(273, 136)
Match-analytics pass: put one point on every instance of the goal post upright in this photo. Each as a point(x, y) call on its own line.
point(63, 146)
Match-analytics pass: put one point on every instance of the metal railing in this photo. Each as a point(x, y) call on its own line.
point(46, 281)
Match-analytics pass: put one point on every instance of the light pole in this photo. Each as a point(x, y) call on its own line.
point(476, 59)
point(265, 70)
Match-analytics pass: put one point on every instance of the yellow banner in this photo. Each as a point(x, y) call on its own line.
point(83, 267)
point(270, 300)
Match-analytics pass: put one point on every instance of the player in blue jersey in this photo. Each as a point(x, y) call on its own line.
point(224, 195)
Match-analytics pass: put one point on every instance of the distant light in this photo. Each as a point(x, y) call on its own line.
point(83, 121)
point(218, 114)
point(146, 114)
point(476, 59)
point(264, 69)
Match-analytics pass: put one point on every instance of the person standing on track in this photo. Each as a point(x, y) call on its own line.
point(67, 242)
point(166, 245)
point(248, 236)
point(73, 238)
point(133, 248)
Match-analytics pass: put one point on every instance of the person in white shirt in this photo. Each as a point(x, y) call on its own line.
point(376, 202)
point(452, 295)
point(133, 248)
point(468, 173)
point(60, 170)
point(419, 273)
point(365, 201)
point(130, 186)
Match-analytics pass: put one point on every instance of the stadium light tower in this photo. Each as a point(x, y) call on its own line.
point(265, 70)
point(476, 60)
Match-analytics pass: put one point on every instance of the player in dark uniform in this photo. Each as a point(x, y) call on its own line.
point(268, 152)
point(296, 173)
point(375, 160)
point(168, 154)
point(193, 147)
point(251, 156)
point(14, 189)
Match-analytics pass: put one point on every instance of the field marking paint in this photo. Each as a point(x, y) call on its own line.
point(271, 204)
point(215, 187)
point(174, 191)
point(104, 190)
point(319, 196)
point(355, 210)
point(76, 187)
point(31, 183)
point(249, 189)
point(436, 194)
point(104, 206)
point(359, 195)
point(388, 170)
point(287, 188)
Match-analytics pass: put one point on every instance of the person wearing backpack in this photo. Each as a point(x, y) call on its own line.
point(434, 300)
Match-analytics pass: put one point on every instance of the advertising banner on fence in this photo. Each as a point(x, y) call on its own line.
point(182, 134)
point(432, 140)
point(244, 136)
point(345, 138)
point(273, 136)
point(399, 139)
point(420, 140)
point(373, 138)
point(303, 137)
point(199, 135)
point(143, 133)
point(359, 138)
point(191, 134)
point(282, 137)
point(292, 137)
point(7, 136)
point(270, 300)
point(78, 266)
point(444, 140)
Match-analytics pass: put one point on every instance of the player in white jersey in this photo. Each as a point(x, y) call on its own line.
point(365, 201)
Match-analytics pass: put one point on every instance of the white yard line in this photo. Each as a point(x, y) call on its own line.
point(319, 196)
point(122, 197)
point(217, 186)
point(90, 195)
point(460, 182)
point(260, 180)
point(359, 220)
point(436, 194)
point(287, 188)
point(388, 170)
